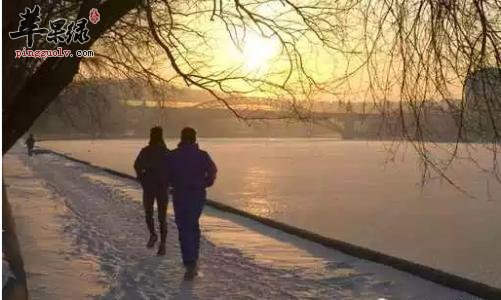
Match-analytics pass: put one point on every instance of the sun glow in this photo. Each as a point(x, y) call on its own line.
point(256, 52)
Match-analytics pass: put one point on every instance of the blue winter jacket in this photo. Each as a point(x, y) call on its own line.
point(190, 168)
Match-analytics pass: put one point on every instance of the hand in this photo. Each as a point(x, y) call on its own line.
point(140, 178)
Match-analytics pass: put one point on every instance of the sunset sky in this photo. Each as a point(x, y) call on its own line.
point(281, 56)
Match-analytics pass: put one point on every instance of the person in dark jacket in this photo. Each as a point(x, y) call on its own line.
point(150, 170)
point(191, 171)
point(30, 144)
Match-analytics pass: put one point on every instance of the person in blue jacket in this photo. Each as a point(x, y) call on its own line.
point(191, 171)
point(150, 170)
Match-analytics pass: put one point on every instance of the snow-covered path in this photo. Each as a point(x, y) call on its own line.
point(82, 235)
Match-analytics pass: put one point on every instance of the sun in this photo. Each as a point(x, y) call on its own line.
point(249, 51)
point(258, 51)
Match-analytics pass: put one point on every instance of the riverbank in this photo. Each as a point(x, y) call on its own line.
point(349, 191)
point(93, 233)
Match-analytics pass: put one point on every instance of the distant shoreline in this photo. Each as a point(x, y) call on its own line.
point(325, 138)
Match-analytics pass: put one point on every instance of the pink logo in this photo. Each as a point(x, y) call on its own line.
point(94, 16)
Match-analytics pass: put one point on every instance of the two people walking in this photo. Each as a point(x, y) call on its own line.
point(188, 171)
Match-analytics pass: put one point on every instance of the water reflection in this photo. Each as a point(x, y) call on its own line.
point(255, 191)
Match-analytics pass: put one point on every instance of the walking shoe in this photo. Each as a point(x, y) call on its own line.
point(161, 250)
point(151, 242)
point(191, 271)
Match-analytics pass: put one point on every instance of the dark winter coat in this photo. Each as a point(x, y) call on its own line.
point(190, 169)
point(151, 165)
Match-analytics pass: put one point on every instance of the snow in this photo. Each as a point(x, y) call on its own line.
point(82, 235)
point(344, 190)
point(6, 271)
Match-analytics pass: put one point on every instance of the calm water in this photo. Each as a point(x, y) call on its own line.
point(347, 190)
